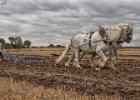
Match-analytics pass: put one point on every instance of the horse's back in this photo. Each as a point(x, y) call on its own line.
point(82, 41)
point(78, 39)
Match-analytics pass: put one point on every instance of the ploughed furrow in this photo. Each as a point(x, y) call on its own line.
point(124, 81)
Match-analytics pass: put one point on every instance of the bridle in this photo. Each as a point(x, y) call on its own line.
point(125, 34)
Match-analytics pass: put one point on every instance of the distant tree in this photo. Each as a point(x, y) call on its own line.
point(51, 45)
point(27, 43)
point(16, 42)
point(11, 39)
point(34, 46)
point(60, 46)
point(7, 46)
point(42, 46)
point(2, 41)
point(12, 43)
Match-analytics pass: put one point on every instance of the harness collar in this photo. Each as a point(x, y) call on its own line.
point(90, 35)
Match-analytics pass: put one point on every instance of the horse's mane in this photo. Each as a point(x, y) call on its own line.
point(113, 32)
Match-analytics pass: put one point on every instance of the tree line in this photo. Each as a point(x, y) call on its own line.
point(15, 42)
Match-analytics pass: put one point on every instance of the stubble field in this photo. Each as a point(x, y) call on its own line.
point(122, 84)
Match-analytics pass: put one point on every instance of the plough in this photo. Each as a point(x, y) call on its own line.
point(21, 58)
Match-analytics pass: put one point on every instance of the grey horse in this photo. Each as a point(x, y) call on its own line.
point(122, 32)
point(113, 57)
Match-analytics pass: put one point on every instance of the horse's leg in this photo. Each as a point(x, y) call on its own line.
point(71, 57)
point(93, 61)
point(111, 62)
point(81, 55)
point(116, 56)
point(104, 58)
point(76, 59)
point(69, 60)
point(115, 51)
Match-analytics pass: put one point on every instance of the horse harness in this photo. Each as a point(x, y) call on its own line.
point(104, 36)
point(121, 38)
point(106, 39)
point(90, 35)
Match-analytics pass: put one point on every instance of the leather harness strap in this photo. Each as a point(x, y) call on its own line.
point(90, 35)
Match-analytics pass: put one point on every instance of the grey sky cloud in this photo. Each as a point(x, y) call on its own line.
point(56, 21)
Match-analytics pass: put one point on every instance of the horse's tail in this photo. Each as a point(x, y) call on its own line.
point(63, 55)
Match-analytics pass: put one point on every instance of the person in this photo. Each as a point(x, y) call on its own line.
point(1, 49)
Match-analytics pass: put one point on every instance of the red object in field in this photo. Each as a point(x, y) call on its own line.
point(1, 59)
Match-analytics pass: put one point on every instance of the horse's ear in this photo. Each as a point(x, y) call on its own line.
point(100, 27)
point(121, 26)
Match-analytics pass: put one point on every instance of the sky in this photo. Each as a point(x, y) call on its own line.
point(47, 22)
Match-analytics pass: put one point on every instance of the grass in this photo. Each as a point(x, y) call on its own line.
point(124, 53)
point(36, 51)
point(21, 90)
point(58, 51)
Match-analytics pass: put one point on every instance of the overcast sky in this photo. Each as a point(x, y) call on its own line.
point(56, 21)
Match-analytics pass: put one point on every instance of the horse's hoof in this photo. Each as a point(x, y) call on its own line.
point(113, 67)
point(93, 66)
point(101, 65)
point(78, 67)
point(66, 64)
point(97, 69)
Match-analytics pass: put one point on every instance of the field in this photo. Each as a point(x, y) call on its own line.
point(22, 90)
point(85, 83)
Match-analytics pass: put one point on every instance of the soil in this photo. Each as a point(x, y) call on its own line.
point(125, 81)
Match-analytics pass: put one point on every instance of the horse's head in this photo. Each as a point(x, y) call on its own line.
point(127, 30)
point(101, 29)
